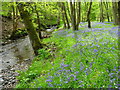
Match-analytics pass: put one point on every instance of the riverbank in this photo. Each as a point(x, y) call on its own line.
point(14, 56)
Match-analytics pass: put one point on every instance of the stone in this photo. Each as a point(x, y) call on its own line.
point(1, 81)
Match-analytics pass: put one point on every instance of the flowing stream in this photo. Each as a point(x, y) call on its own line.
point(16, 52)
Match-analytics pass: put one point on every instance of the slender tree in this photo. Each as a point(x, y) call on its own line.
point(75, 14)
point(119, 29)
point(34, 38)
point(38, 21)
point(115, 13)
point(107, 8)
point(88, 15)
point(101, 12)
point(15, 19)
point(65, 13)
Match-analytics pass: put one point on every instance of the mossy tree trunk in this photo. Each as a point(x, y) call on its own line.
point(38, 21)
point(34, 38)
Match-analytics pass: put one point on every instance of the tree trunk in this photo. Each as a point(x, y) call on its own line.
point(78, 14)
point(14, 10)
point(115, 16)
point(34, 38)
point(58, 20)
point(101, 12)
point(73, 14)
point(65, 13)
point(38, 21)
point(88, 15)
point(68, 9)
point(106, 7)
point(119, 29)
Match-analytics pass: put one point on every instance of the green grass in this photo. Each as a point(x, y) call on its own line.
point(83, 58)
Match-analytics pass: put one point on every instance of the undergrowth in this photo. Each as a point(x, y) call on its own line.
point(85, 58)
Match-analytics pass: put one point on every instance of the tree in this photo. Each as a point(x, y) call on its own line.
point(119, 29)
point(115, 13)
point(107, 8)
point(88, 15)
point(38, 21)
point(64, 14)
point(101, 12)
point(14, 18)
point(34, 38)
point(75, 8)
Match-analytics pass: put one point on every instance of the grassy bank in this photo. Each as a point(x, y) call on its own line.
point(86, 58)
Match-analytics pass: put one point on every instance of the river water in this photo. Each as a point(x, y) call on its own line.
point(16, 52)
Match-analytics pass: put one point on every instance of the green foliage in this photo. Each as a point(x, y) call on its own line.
point(86, 60)
point(43, 54)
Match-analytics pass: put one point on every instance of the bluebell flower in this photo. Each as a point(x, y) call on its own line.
point(49, 80)
point(81, 67)
point(76, 72)
point(50, 85)
point(109, 86)
point(66, 82)
point(72, 75)
point(86, 73)
point(75, 79)
point(111, 74)
point(95, 50)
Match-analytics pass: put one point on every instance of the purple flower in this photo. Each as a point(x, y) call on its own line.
point(86, 73)
point(66, 82)
point(72, 75)
point(81, 68)
point(80, 81)
point(76, 72)
point(50, 85)
point(111, 74)
point(75, 79)
point(109, 86)
point(95, 50)
point(64, 65)
point(118, 84)
point(49, 80)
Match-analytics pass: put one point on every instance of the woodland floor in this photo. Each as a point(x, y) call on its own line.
point(85, 58)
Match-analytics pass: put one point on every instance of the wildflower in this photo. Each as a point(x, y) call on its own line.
point(49, 80)
point(75, 79)
point(95, 50)
point(50, 76)
point(80, 81)
point(76, 72)
point(111, 74)
point(50, 85)
point(82, 67)
point(64, 65)
point(72, 75)
point(66, 82)
point(109, 86)
point(86, 73)
point(118, 84)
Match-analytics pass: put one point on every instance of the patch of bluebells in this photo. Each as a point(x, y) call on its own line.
point(77, 71)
